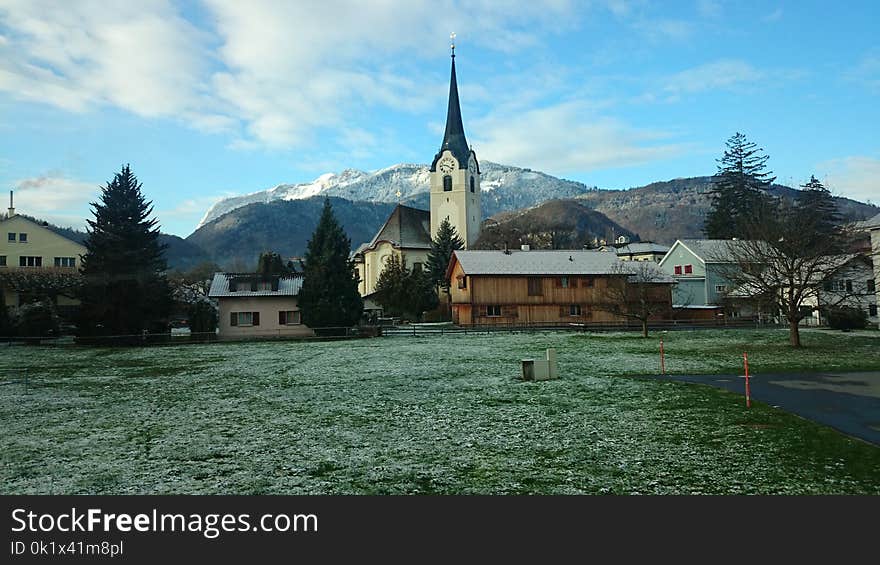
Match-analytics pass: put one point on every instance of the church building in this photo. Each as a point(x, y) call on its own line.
point(455, 195)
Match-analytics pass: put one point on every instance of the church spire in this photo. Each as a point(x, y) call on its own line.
point(453, 139)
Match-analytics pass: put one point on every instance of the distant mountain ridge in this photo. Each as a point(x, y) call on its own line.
point(503, 188)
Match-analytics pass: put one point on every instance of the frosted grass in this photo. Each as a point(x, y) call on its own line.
point(422, 415)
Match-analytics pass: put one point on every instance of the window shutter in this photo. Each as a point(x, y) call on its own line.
point(256, 318)
point(558, 282)
point(563, 311)
point(282, 315)
point(233, 318)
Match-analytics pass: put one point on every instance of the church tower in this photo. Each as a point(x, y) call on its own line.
point(455, 175)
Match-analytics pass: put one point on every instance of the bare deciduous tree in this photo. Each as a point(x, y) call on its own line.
point(646, 293)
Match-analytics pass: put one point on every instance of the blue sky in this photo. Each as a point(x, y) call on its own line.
point(218, 97)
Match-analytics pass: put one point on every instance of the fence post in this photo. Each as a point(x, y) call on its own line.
point(662, 359)
point(748, 395)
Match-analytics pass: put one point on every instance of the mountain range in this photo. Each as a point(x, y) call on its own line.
point(235, 230)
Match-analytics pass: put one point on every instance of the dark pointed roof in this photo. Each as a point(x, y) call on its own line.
point(406, 227)
point(454, 139)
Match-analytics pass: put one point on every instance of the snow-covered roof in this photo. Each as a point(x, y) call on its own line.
point(712, 250)
point(642, 247)
point(287, 285)
point(515, 262)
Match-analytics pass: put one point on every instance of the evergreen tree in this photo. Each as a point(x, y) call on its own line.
point(271, 263)
point(391, 287)
point(401, 291)
point(202, 317)
point(740, 186)
point(124, 290)
point(817, 214)
point(329, 296)
point(444, 243)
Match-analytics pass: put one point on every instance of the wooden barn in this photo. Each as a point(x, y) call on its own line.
point(538, 287)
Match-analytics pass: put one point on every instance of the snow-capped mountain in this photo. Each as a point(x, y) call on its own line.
point(504, 188)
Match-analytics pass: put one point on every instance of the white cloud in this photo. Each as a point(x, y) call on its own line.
point(292, 68)
point(856, 177)
point(55, 198)
point(567, 138)
point(721, 74)
point(142, 57)
point(866, 72)
point(773, 16)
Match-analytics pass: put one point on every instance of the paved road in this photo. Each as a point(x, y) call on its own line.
point(848, 402)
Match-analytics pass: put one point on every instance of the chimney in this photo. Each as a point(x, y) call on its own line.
point(11, 207)
point(524, 247)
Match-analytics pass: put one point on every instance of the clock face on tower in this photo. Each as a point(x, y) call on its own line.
point(446, 165)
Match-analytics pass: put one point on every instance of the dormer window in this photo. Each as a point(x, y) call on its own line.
point(447, 183)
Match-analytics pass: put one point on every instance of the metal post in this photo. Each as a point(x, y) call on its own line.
point(748, 395)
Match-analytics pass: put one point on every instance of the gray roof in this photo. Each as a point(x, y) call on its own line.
point(872, 223)
point(711, 250)
point(567, 262)
point(405, 227)
point(288, 285)
point(642, 247)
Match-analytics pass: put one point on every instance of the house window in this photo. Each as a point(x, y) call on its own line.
point(22, 238)
point(30, 261)
point(688, 269)
point(872, 309)
point(472, 184)
point(244, 318)
point(447, 183)
point(493, 310)
point(2, 260)
point(65, 261)
point(587, 283)
point(849, 286)
point(535, 286)
point(417, 267)
point(462, 281)
point(264, 285)
point(288, 318)
point(678, 269)
point(870, 286)
point(574, 310)
point(720, 288)
point(11, 236)
point(563, 282)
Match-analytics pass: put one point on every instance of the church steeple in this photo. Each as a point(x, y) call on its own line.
point(453, 140)
point(455, 175)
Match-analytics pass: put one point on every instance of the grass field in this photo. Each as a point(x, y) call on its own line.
point(423, 415)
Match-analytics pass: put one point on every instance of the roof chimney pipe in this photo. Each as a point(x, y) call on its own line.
point(11, 207)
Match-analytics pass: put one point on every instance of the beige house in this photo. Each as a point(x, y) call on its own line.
point(26, 245)
point(255, 306)
point(404, 235)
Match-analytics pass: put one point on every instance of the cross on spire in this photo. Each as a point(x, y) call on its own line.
point(452, 40)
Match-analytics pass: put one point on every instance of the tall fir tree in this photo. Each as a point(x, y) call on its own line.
point(329, 296)
point(739, 188)
point(817, 214)
point(124, 290)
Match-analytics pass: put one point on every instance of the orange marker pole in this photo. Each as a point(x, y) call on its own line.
point(662, 358)
point(748, 395)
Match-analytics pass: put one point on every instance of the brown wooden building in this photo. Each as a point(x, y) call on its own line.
point(535, 287)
